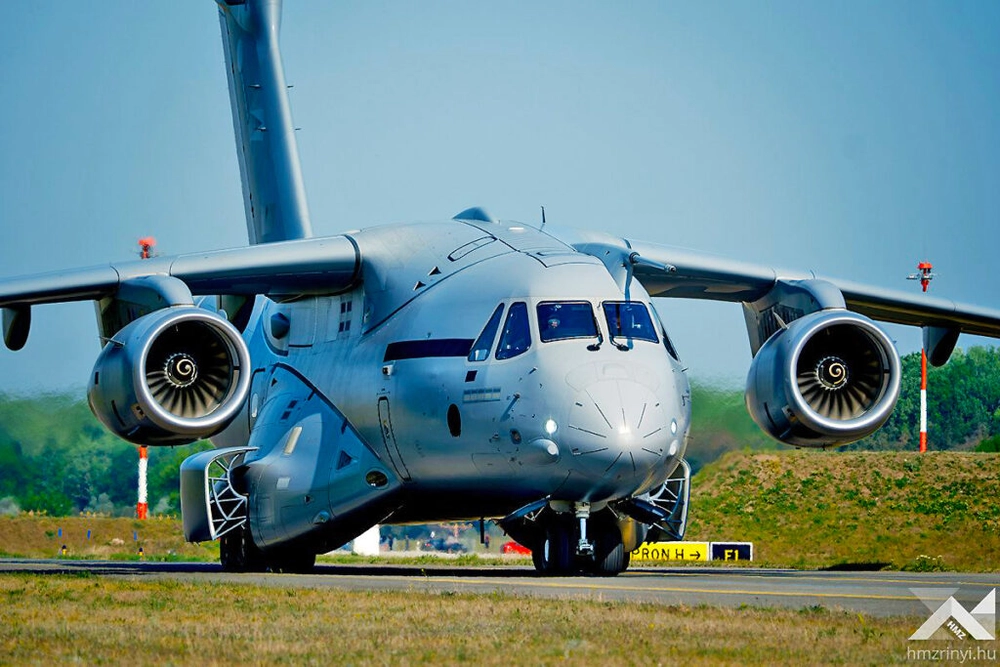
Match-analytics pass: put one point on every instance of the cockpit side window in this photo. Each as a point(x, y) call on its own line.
point(566, 319)
point(515, 338)
point(629, 320)
point(667, 343)
point(481, 348)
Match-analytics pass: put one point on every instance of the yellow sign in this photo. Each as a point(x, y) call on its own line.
point(667, 551)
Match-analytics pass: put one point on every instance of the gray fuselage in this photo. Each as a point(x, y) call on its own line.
point(481, 432)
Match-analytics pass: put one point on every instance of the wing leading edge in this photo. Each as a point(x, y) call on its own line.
point(666, 271)
point(706, 276)
point(312, 266)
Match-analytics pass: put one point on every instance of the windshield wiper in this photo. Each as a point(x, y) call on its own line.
point(621, 346)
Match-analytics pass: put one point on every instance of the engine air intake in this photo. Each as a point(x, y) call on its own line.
point(190, 370)
point(841, 372)
point(830, 378)
point(173, 376)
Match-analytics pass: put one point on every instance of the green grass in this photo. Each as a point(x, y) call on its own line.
point(811, 509)
point(49, 619)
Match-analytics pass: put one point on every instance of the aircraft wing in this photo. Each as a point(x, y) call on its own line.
point(771, 296)
point(691, 274)
point(313, 266)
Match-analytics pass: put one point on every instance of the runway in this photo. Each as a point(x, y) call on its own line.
point(872, 593)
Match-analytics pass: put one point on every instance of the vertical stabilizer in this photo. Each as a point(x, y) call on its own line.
point(273, 193)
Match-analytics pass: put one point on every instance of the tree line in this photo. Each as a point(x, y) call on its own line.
point(963, 404)
point(963, 411)
point(56, 457)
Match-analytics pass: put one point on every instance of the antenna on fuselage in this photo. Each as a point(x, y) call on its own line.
point(543, 220)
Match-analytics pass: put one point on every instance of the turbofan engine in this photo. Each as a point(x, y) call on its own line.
point(828, 379)
point(171, 377)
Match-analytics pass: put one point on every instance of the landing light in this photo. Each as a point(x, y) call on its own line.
point(551, 426)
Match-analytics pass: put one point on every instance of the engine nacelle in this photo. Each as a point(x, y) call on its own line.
point(830, 378)
point(171, 377)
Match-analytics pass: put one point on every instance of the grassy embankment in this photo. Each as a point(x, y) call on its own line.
point(160, 538)
point(826, 509)
point(800, 509)
point(50, 619)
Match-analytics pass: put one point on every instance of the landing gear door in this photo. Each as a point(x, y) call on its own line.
point(389, 439)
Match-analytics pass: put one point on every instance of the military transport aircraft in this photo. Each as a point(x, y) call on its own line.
point(465, 369)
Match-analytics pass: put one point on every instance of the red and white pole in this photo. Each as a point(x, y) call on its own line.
point(923, 400)
point(925, 273)
point(146, 246)
point(142, 507)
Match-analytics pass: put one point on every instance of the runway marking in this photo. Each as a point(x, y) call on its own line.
point(805, 577)
point(649, 589)
point(795, 579)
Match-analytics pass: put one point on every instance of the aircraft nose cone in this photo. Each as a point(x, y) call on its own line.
point(618, 428)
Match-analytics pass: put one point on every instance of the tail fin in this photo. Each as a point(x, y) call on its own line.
point(273, 192)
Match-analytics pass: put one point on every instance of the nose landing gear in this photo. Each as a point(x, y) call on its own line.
point(583, 547)
point(590, 545)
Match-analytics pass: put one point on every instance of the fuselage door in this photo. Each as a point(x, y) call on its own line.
point(389, 439)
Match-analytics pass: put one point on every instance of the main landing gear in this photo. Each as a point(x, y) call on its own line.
point(238, 553)
point(580, 543)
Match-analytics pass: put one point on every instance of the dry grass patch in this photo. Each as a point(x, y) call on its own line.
point(50, 619)
point(161, 538)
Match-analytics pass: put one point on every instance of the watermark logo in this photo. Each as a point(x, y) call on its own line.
point(950, 620)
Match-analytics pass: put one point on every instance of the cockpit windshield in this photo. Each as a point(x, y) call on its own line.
point(629, 320)
point(515, 338)
point(566, 319)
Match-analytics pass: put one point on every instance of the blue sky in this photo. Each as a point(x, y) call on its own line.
point(852, 138)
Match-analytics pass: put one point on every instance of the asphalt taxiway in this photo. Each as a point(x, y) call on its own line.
point(872, 593)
